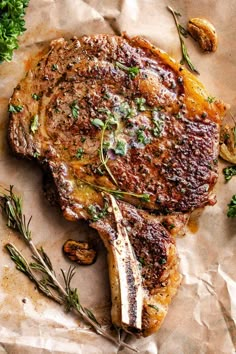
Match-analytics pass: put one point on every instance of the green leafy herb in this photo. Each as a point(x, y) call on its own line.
point(79, 153)
point(97, 123)
point(35, 96)
point(185, 59)
point(34, 125)
point(162, 261)
point(210, 99)
point(141, 260)
point(158, 120)
point(140, 102)
point(74, 109)
point(121, 148)
point(54, 67)
point(183, 31)
point(12, 25)
point(36, 155)
point(232, 207)
point(96, 212)
point(142, 137)
point(41, 271)
point(153, 307)
point(229, 172)
point(132, 71)
point(15, 109)
point(126, 111)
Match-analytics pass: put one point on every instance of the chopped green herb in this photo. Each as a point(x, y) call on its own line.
point(54, 67)
point(142, 137)
point(162, 261)
point(12, 25)
point(57, 110)
point(141, 260)
point(210, 99)
point(15, 109)
point(132, 71)
point(158, 120)
point(153, 307)
point(97, 123)
point(74, 109)
point(96, 212)
point(232, 207)
point(121, 148)
point(34, 125)
point(229, 172)
point(35, 96)
point(79, 153)
point(140, 102)
point(36, 155)
point(82, 139)
point(126, 111)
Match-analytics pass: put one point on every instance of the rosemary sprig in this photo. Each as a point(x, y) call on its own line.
point(144, 197)
point(48, 283)
point(186, 58)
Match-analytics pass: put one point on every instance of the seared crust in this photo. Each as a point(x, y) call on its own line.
point(172, 140)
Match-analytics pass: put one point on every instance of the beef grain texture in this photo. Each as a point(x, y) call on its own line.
point(122, 100)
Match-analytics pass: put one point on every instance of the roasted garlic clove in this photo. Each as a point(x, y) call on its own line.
point(228, 143)
point(204, 33)
point(79, 251)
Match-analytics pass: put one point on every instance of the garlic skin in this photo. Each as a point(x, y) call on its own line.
point(204, 33)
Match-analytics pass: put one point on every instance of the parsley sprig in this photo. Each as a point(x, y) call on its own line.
point(12, 25)
point(232, 207)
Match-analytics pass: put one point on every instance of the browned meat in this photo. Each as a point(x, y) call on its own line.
point(108, 116)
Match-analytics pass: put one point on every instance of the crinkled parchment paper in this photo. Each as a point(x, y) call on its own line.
point(201, 319)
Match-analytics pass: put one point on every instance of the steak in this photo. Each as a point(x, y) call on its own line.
point(129, 141)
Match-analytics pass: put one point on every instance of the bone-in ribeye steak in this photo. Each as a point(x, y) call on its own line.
point(129, 140)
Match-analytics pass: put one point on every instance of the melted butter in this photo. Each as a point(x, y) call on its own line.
point(193, 225)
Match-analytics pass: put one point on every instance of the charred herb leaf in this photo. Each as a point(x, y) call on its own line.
point(232, 207)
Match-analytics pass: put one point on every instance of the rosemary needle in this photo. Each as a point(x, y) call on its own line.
point(186, 58)
point(41, 271)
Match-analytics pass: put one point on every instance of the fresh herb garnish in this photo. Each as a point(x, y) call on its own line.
point(158, 120)
point(185, 59)
point(232, 207)
point(35, 96)
point(12, 25)
point(34, 125)
point(74, 109)
point(96, 212)
point(126, 111)
point(132, 71)
point(144, 197)
point(210, 99)
point(142, 137)
point(54, 67)
point(97, 122)
point(36, 155)
point(229, 172)
point(121, 148)
point(15, 109)
point(41, 271)
point(140, 102)
point(79, 153)
point(153, 307)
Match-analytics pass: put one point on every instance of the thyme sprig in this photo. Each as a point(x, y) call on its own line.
point(182, 33)
point(144, 197)
point(41, 270)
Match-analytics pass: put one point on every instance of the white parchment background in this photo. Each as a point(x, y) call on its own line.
point(201, 319)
